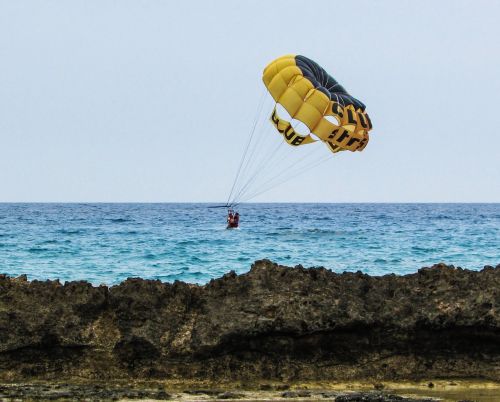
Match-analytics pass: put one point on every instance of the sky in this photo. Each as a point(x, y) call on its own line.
point(154, 101)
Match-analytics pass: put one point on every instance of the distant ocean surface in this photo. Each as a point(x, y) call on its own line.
point(106, 243)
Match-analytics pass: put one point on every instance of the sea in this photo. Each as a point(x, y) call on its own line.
point(107, 243)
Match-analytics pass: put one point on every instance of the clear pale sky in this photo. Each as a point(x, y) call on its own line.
point(138, 100)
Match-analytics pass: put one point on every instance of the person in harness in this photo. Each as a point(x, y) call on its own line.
point(233, 219)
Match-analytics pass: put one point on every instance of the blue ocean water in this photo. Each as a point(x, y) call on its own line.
point(106, 243)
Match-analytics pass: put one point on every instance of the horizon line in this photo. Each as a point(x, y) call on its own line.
point(250, 203)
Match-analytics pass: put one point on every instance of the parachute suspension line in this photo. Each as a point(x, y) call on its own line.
point(264, 163)
point(296, 173)
point(259, 111)
point(248, 161)
point(263, 156)
point(245, 156)
point(261, 176)
point(288, 172)
point(303, 170)
point(283, 163)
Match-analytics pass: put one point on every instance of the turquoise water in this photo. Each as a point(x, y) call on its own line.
point(106, 243)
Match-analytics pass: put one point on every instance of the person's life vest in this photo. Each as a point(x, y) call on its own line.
point(232, 219)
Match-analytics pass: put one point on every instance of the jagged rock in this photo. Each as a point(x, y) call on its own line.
point(76, 392)
point(212, 392)
point(273, 323)
point(230, 395)
point(296, 394)
point(377, 397)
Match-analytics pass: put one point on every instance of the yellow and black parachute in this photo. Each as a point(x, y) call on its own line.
point(308, 105)
point(309, 94)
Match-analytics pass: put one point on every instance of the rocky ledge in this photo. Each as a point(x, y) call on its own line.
point(273, 323)
point(113, 392)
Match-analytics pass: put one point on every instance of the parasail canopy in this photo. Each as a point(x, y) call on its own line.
point(308, 106)
point(309, 94)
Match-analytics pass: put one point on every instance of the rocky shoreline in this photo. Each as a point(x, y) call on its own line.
point(274, 323)
point(189, 391)
point(159, 391)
